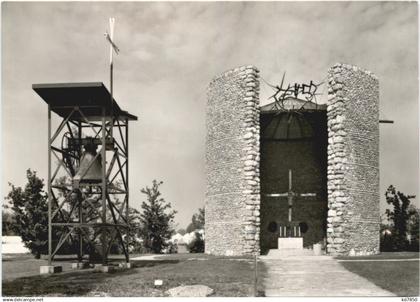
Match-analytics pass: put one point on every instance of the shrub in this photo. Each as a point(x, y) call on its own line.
point(413, 228)
point(30, 213)
point(197, 244)
point(172, 248)
point(402, 222)
point(387, 243)
point(197, 221)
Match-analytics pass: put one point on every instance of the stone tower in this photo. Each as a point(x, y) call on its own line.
point(232, 163)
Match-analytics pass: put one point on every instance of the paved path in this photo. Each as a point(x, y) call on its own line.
point(315, 276)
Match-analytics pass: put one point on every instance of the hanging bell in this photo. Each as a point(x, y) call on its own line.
point(90, 169)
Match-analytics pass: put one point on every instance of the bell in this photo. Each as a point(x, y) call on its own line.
point(89, 172)
point(75, 196)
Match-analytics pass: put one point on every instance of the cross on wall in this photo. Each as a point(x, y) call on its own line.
point(290, 194)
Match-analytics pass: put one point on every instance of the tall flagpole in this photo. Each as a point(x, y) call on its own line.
point(111, 69)
point(112, 48)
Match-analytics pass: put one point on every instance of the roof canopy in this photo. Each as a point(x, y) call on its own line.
point(296, 119)
point(290, 104)
point(91, 98)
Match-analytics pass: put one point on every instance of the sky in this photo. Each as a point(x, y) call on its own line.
point(170, 51)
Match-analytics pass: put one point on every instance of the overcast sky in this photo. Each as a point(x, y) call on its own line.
point(169, 54)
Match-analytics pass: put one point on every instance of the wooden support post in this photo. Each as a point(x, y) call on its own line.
point(104, 185)
point(128, 184)
point(80, 255)
point(49, 188)
point(79, 136)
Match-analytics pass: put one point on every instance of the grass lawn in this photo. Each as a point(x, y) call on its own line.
point(228, 276)
point(384, 255)
point(399, 277)
point(23, 265)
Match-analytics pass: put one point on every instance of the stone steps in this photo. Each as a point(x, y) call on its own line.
point(282, 253)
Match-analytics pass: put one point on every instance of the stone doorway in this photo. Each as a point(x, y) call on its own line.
point(293, 173)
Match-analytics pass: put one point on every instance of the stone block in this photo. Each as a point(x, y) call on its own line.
point(126, 265)
point(190, 291)
point(104, 268)
point(50, 269)
point(330, 230)
point(332, 213)
point(338, 240)
point(290, 243)
point(79, 265)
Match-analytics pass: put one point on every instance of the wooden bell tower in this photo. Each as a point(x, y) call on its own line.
point(88, 193)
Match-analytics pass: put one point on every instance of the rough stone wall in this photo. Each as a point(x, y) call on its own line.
point(353, 161)
point(232, 163)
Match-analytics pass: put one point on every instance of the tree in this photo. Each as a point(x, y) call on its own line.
point(399, 216)
point(7, 223)
point(197, 221)
point(30, 211)
point(197, 244)
point(197, 224)
point(156, 219)
point(134, 225)
point(182, 232)
point(413, 227)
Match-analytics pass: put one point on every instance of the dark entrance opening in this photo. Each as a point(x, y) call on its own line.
point(293, 173)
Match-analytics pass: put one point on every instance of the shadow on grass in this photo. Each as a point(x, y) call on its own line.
point(150, 263)
point(63, 284)
point(73, 283)
point(227, 276)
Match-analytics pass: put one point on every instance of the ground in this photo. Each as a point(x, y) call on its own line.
point(228, 276)
point(319, 276)
point(399, 277)
point(393, 273)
